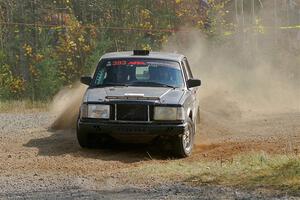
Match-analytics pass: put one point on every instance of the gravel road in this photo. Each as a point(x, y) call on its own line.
point(37, 163)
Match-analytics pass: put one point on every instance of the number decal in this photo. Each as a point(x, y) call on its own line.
point(119, 62)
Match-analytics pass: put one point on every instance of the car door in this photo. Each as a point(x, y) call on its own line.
point(193, 92)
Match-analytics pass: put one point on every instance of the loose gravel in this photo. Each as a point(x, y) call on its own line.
point(37, 163)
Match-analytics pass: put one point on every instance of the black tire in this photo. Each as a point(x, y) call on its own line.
point(84, 139)
point(183, 144)
point(92, 141)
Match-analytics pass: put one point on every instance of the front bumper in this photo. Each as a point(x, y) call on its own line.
point(129, 128)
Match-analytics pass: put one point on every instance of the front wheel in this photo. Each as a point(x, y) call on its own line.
point(183, 144)
point(84, 139)
point(92, 140)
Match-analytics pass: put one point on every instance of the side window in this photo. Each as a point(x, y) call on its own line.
point(100, 76)
point(189, 72)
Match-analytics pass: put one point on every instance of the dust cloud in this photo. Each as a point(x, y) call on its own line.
point(65, 106)
point(237, 79)
point(249, 73)
point(240, 80)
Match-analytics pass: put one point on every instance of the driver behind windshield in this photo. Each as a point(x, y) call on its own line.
point(158, 74)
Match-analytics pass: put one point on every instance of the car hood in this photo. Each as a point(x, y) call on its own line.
point(156, 94)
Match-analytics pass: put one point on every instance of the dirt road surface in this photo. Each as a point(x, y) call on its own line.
point(39, 163)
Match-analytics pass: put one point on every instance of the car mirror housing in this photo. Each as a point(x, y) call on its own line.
point(86, 80)
point(193, 83)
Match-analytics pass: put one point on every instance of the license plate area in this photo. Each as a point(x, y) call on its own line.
point(130, 112)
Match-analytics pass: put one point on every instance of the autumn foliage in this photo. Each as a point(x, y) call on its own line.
point(46, 45)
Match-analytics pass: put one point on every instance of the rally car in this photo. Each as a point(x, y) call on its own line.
point(137, 95)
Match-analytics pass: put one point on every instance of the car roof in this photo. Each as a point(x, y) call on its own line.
point(152, 55)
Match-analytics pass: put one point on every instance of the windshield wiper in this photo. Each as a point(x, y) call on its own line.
point(136, 83)
point(111, 84)
point(151, 84)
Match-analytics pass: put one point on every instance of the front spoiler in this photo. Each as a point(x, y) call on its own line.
point(111, 128)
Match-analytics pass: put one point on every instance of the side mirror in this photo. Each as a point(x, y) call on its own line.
point(86, 80)
point(193, 83)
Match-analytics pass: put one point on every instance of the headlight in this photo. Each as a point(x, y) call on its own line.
point(84, 111)
point(168, 113)
point(95, 111)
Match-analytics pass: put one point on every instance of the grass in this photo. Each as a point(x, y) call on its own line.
point(251, 171)
point(23, 106)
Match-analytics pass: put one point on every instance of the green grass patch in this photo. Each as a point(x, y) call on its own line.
point(256, 170)
point(23, 106)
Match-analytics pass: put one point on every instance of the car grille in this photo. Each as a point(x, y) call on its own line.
point(129, 112)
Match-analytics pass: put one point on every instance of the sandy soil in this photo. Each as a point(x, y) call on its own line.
point(40, 163)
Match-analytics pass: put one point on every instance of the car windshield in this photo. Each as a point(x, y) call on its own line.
point(138, 72)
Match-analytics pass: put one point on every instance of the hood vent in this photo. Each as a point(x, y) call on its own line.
point(132, 98)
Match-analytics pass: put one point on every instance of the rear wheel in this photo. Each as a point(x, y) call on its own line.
point(183, 144)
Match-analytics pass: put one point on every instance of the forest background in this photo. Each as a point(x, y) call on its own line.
point(46, 45)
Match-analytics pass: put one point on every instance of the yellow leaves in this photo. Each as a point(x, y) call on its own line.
point(28, 50)
point(39, 29)
point(179, 14)
point(146, 47)
point(74, 46)
point(5, 75)
point(178, 1)
point(259, 28)
point(17, 85)
point(146, 25)
point(86, 48)
point(145, 14)
point(81, 39)
point(33, 71)
point(227, 33)
point(93, 31)
point(200, 23)
point(164, 39)
point(145, 19)
point(39, 57)
point(69, 62)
